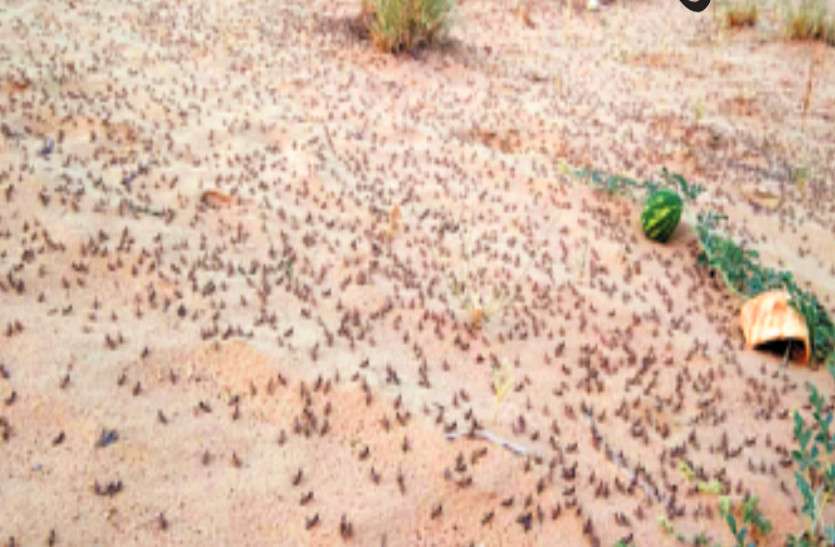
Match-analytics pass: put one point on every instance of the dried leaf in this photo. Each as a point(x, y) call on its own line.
point(215, 198)
point(763, 198)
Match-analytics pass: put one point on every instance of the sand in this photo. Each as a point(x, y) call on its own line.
point(234, 234)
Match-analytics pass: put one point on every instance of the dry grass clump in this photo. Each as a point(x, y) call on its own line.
point(810, 20)
point(404, 25)
point(741, 14)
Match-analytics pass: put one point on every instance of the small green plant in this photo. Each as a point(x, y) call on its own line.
point(815, 476)
point(809, 20)
point(712, 487)
point(757, 525)
point(744, 275)
point(403, 25)
point(669, 529)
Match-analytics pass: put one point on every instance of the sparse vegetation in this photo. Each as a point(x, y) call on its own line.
point(619, 184)
point(815, 476)
point(809, 20)
point(404, 25)
point(741, 13)
point(745, 276)
point(815, 479)
point(746, 522)
point(739, 268)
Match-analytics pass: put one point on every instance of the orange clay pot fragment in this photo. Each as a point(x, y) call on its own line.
point(768, 320)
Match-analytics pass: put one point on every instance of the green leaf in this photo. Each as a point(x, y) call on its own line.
point(690, 191)
point(701, 539)
point(724, 505)
point(751, 513)
point(729, 518)
point(809, 501)
point(800, 432)
point(829, 477)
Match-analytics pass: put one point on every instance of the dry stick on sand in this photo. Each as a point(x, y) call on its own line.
point(521, 450)
point(516, 448)
point(650, 489)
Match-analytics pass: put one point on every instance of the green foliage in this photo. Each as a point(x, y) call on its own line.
point(805, 456)
point(403, 25)
point(738, 267)
point(744, 275)
point(815, 478)
point(690, 191)
point(620, 184)
point(751, 516)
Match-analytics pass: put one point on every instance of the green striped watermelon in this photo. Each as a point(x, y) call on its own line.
point(662, 211)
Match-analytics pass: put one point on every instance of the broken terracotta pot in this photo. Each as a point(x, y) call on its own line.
point(768, 321)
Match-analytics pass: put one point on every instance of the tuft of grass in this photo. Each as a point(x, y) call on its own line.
point(404, 25)
point(809, 20)
point(741, 14)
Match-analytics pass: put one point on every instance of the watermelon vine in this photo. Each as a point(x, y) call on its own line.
point(745, 276)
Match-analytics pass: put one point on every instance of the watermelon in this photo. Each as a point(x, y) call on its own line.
point(662, 211)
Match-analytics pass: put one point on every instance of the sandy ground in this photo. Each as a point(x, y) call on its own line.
point(286, 361)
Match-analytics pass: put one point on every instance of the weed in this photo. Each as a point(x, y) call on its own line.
point(479, 303)
point(404, 25)
point(758, 525)
point(740, 14)
point(502, 383)
point(478, 308)
point(713, 486)
point(815, 478)
point(809, 20)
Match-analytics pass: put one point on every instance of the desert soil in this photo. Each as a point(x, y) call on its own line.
point(236, 235)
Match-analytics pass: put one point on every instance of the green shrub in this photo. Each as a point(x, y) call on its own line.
point(403, 25)
point(809, 20)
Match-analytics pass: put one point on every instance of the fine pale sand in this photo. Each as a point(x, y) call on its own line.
point(233, 233)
